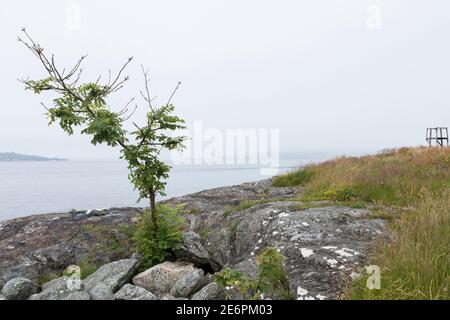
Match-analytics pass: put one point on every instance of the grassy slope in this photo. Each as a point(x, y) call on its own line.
point(412, 187)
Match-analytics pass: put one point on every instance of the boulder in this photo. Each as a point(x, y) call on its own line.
point(187, 284)
point(19, 289)
point(161, 278)
point(168, 296)
point(56, 284)
point(64, 294)
point(102, 291)
point(62, 288)
point(130, 292)
point(24, 268)
point(192, 250)
point(210, 292)
point(104, 282)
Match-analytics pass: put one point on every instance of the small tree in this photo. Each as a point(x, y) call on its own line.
point(84, 105)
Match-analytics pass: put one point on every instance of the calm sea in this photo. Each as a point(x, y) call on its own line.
point(28, 188)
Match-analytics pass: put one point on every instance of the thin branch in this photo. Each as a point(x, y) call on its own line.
point(147, 90)
point(173, 93)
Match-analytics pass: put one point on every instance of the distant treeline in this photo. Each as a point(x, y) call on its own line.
point(12, 156)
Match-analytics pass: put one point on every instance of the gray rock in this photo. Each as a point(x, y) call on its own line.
point(63, 294)
point(130, 292)
point(136, 256)
point(187, 284)
point(192, 250)
point(56, 284)
point(210, 292)
point(24, 268)
point(19, 289)
point(168, 296)
point(102, 291)
point(97, 212)
point(33, 246)
point(2, 283)
point(111, 276)
point(2, 297)
point(322, 246)
point(161, 278)
point(63, 288)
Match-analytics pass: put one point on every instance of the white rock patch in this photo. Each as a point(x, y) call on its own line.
point(331, 262)
point(329, 248)
point(301, 291)
point(283, 215)
point(306, 252)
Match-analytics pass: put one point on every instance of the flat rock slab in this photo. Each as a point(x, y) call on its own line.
point(109, 278)
point(323, 246)
point(35, 245)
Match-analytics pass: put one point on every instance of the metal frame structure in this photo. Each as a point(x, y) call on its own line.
point(439, 135)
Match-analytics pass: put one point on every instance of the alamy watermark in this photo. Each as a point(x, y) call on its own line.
point(73, 21)
point(373, 21)
point(208, 146)
point(374, 280)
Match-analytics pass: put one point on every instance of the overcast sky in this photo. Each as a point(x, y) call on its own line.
point(332, 75)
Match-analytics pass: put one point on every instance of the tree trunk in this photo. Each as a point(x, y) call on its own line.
point(152, 196)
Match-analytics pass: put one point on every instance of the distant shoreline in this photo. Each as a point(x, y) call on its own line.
point(17, 157)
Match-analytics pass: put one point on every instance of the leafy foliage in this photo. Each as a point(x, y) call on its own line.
point(84, 105)
point(155, 244)
point(271, 280)
point(272, 276)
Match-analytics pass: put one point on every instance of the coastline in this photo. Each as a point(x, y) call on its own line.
point(317, 240)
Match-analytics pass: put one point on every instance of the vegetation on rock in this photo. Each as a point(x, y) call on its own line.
point(411, 187)
point(155, 244)
point(84, 106)
point(271, 280)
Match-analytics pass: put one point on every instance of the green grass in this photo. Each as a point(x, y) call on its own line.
point(47, 277)
point(417, 264)
point(410, 187)
point(204, 233)
point(87, 268)
point(294, 178)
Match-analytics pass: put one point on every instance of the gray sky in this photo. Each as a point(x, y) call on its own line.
point(313, 69)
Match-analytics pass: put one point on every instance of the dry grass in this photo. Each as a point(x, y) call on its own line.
point(415, 264)
point(393, 178)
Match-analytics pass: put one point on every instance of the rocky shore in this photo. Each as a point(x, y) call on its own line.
point(324, 245)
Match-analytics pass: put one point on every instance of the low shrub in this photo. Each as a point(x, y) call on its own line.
point(155, 244)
